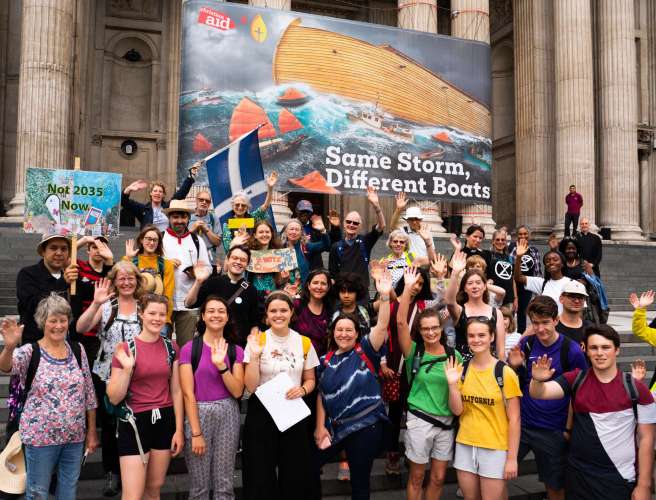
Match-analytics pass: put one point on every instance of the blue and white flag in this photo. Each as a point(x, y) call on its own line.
point(237, 167)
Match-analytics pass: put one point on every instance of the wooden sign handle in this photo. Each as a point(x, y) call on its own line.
point(76, 166)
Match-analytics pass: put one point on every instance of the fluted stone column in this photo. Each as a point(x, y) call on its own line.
point(575, 158)
point(421, 15)
point(471, 20)
point(620, 172)
point(534, 114)
point(280, 203)
point(44, 91)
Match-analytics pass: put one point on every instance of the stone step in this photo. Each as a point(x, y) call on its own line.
point(176, 487)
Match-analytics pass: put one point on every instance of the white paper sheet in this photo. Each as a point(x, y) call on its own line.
point(285, 412)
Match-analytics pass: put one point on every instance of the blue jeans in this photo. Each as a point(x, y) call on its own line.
point(42, 461)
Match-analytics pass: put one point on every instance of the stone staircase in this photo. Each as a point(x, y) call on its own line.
point(624, 270)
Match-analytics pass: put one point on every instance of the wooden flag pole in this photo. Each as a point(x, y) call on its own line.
point(74, 238)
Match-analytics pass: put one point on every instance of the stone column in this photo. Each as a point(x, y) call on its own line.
point(471, 20)
point(421, 15)
point(646, 195)
point(44, 95)
point(534, 114)
point(575, 155)
point(280, 203)
point(620, 172)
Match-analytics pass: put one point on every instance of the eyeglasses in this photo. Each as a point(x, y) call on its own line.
point(430, 329)
point(203, 200)
point(352, 222)
point(397, 242)
point(130, 279)
point(151, 240)
point(480, 319)
point(240, 205)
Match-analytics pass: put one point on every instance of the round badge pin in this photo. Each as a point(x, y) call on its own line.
point(238, 300)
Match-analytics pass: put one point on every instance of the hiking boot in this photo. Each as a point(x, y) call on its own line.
point(112, 485)
point(343, 472)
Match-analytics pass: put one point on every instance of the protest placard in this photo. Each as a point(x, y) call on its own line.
point(72, 202)
point(272, 261)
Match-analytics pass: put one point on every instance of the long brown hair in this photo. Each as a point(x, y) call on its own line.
point(150, 227)
point(273, 244)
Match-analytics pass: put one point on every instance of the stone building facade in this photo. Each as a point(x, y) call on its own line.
point(574, 98)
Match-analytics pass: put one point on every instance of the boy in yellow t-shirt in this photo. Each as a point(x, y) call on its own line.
point(490, 426)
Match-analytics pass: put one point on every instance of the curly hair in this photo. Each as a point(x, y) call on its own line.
point(128, 267)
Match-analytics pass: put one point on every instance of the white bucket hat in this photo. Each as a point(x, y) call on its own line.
point(413, 213)
point(12, 467)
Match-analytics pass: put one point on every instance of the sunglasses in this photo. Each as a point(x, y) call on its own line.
point(203, 200)
point(352, 222)
point(574, 296)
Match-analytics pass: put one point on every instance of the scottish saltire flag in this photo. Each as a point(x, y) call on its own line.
point(236, 167)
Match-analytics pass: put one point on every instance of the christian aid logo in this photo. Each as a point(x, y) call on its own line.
point(215, 19)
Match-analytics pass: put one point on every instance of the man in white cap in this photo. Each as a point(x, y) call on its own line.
point(420, 242)
point(53, 273)
point(570, 321)
point(186, 250)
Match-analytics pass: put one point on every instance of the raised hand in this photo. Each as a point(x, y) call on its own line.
point(425, 233)
point(103, 250)
point(102, 291)
point(439, 266)
point(11, 331)
point(401, 200)
point(241, 237)
point(646, 299)
point(137, 185)
point(254, 346)
point(541, 369)
point(522, 248)
point(333, 218)
point(458, 262)
point(272, 179)
point(131, 249)
point(384, 284)
point(455, 243)
point(125, 358)
point(452, 370)
point(317, 223)
point(202, 271)
point(193, 171)
point(516, 357)
point(410, 277)
point(291, 289)
point(372, 196)
point(638, 370)
point(219, 351)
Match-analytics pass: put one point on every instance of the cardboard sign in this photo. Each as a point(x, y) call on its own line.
point(71, 202)
point(272, 261)
point(235, 223)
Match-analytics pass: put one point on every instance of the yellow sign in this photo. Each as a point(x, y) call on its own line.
point(258, 29)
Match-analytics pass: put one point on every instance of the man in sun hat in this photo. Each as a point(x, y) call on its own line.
point(420, 241)
point(186, 250)
point(53, 273)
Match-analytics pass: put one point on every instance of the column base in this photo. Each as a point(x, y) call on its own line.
point(17, 205)
point(481, 215)
point(281, 211)
point(432, 218)
point(626, 233)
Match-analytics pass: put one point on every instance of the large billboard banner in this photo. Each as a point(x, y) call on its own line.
point(340, 105)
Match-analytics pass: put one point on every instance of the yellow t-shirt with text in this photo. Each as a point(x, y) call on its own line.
point(484, 422)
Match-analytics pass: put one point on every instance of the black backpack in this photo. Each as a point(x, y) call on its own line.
point(498, 375)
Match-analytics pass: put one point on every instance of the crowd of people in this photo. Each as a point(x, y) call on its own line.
point(477, 357)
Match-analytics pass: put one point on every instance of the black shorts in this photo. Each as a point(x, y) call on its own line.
point(154, 436)
point(550, 450)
